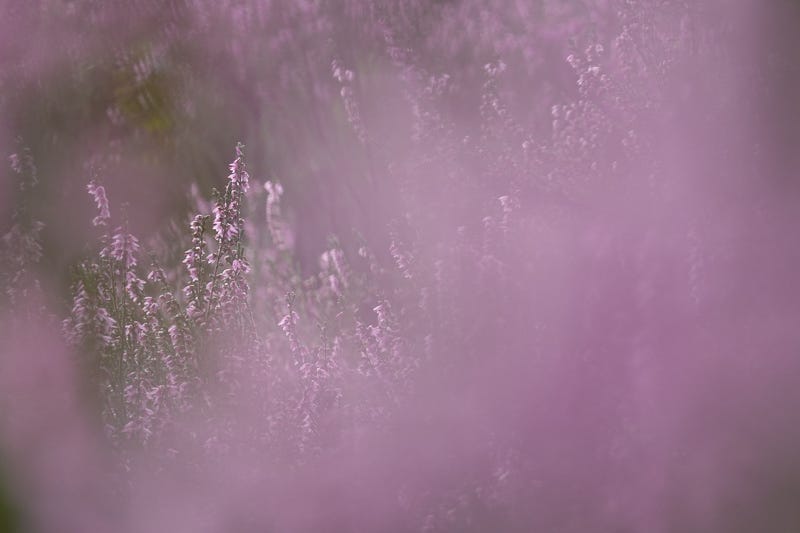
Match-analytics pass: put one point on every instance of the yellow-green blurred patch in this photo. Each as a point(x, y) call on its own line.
point(143, 93)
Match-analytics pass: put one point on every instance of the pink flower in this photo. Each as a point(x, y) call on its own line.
point(98, 193)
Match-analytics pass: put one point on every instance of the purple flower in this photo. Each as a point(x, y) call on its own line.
point(98, 193)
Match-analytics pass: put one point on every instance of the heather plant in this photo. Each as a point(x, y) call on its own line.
point(21, 244)
point(160, 344)
point(487, 266)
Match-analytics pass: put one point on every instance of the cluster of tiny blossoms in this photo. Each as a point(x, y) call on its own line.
point(164, 339)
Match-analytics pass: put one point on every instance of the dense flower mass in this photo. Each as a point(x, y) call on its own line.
point(484, 266)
